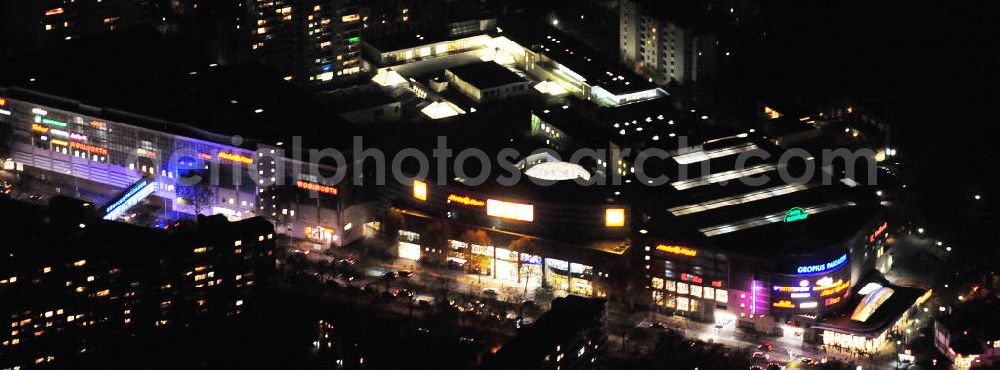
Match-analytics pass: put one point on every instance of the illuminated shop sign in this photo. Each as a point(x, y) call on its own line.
point(233, 157)
point(3, 102)
point(812, 304)
point(49, 121)
point(465, 200)
point(316, 187)
point(531, 259)
point(354, 40)
point(350, 18)
point(783, 304)
point(78, 137)
point(58, 132)
point(320, 234)
point(420, 190)
point(39, 128)
point(692, 278)
point(717, 283)
point(831, 301)
point(614, 217)
point(129, 198)
point(508, 210)
point(836, 289)
point(792, 289)
point(879, 231)
point(205, 156)
point(88, 148)
point(796, 214)
point(676, 249)
point(823, 267)
point(145, 152)
point(98, 124)
point(60, 142)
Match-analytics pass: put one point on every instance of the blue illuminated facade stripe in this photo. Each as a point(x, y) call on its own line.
point(133, 196)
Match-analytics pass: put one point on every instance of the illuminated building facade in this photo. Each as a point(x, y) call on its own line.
point(663, 49)
point(315, 43)
point(75, 150)
point(40, 24)
point(75, 287)
point(970, 333)
point(573, 248)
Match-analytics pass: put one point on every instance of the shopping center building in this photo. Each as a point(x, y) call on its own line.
point(187, 124)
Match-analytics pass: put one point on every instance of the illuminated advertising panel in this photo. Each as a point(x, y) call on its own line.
point(88, 148)
point(822, 267)
point(796, 214)
point(233, 157)
point(465, 200)
point(678, 250)
point(508, 210)
point(129, 198)
point(316, 187)
point(879, 231)
point(419, 190)
point(320, 234)
point(614, 217)
point(409, 251)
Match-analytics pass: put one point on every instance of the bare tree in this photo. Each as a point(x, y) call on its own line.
point(198, 196)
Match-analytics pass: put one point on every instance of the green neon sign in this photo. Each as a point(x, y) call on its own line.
point(795, 214)
point(53, 122)
point(354, 40)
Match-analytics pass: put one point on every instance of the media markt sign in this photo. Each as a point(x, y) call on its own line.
point(795, 214)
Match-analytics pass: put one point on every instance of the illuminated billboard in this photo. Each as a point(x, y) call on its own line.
point(678, 250)
point(420, 190)
point(320, 234)
point(796, 214)
point(316, 187)
point(465, 200)
point(614, 217)
point(822, 267)
point(129, 198)
point(508, 210)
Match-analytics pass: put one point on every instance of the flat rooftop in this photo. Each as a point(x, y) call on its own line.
point(728, 193)
point(573, 54)
point(485, 75)
point(869, 315)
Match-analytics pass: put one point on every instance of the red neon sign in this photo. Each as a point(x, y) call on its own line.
point(235, 158)
point(717, 283)
point(879, 231)
point(692, 278)
point(832, 301)
point(39, 128)
point(316, 187)
point(54, 11)
point(464, 200)
point(205, 156)
point(89, 148)
point(676, 249)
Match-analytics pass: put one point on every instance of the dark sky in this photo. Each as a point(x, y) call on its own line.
point(936, 67)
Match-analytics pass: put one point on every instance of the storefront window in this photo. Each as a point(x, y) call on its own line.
point(721, 295)
point(657, 283)
point(682, 288)
point(671, 285)
point(696, 291)
point(709, 293)
point(409, 251)
point(683, 304)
